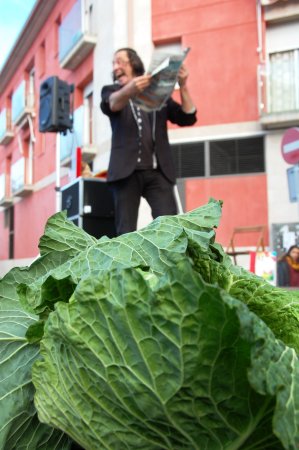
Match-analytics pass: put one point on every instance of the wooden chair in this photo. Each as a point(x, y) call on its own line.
point(260, 245)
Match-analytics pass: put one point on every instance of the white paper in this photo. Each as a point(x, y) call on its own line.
point(164, 69)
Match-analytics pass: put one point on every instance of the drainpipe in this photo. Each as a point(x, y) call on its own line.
point(58, 172)
point(261, 64)
point(259, 30)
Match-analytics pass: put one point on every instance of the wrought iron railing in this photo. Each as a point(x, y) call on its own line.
point(278, 83)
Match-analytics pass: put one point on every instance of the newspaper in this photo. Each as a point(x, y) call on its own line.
point(164, 69)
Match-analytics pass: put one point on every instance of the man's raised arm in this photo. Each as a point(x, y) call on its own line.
point(119, 99)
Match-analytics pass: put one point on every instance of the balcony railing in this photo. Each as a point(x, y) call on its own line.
point(75, 37)
point(5, 199)
point(21, 184)
point(278, 90)
point(6, 132)
point(22, 103)
point(79, 138)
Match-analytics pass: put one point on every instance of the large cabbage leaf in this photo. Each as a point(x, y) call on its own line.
point(71, 270)
point(68, 254)
point(165, 363)
point(277, 307)
point(157, 246)
point(19, 425)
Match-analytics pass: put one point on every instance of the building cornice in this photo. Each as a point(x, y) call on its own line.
point(31, 29)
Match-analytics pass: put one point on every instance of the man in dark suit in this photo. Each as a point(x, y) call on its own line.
point(141, 163)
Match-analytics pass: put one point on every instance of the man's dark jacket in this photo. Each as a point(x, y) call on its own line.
point(124, 146)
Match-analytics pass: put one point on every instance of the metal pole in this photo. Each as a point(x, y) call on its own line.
point(57, 187)
point(178, 200)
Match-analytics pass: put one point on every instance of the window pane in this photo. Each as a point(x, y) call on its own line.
point(70, 140)
point(2, 186)
point(3, 122)
point(189, 160)
point(18, 101)
point(70, 30)
point(18, 175)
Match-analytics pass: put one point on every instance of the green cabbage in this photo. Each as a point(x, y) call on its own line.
point(152, 340)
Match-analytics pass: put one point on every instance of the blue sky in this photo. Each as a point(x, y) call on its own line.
point(13, 15)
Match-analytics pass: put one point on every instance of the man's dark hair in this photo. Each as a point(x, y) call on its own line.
point(135, 60)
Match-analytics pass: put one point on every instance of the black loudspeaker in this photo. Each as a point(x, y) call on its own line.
point(55, 113)
point(89, 204)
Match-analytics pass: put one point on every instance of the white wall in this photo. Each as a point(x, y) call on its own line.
point(280, 36)
point(280, 208)
point(119, 23)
